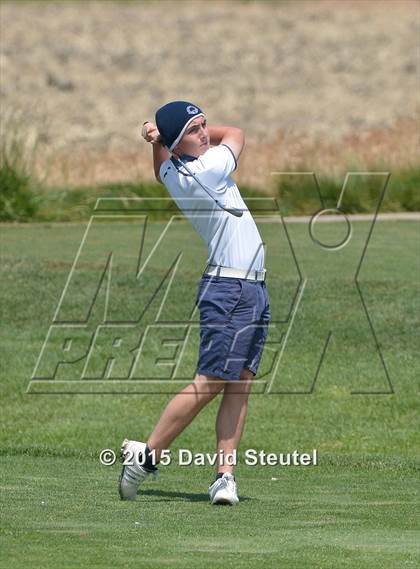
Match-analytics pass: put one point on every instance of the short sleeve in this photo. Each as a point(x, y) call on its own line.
point(163, 170)
point(215, 165)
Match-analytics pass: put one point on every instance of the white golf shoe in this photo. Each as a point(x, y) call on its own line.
point(132, 474)
point(223, 490)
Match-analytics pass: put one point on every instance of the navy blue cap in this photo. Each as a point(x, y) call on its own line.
point(173, 118)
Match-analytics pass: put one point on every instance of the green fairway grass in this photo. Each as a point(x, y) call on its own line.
point(357, 508)
point(63, 512)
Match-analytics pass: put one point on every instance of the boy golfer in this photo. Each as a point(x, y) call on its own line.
point(194, 161)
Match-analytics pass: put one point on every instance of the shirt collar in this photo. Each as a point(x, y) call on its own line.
point(188, 158)
point(184, 158)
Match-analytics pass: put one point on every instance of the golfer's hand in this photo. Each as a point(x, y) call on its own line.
point(150, 133)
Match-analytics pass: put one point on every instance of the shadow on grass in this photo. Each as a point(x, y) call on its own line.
point(168, 496)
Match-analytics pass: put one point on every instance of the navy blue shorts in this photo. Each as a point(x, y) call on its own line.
point(234, 319)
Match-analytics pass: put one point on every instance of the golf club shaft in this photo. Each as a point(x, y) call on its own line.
point(232, 210)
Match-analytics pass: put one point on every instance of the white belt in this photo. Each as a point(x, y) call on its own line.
point(217, 271)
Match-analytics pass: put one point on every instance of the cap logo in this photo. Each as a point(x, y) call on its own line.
point(191, 110)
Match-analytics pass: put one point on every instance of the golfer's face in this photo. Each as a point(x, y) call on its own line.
point(196, 139)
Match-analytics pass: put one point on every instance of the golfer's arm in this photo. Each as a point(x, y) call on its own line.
point(229, 135)
point(160, 154)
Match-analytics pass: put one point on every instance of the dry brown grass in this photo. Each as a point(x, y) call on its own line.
point(325, 85)
point(391, 149)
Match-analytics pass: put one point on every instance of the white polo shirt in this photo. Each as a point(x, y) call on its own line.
point(232, 241)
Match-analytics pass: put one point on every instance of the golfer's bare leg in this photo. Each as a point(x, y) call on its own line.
point(182, 409)
point(231, 417)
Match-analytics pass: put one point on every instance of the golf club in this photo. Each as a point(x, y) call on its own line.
point(232, 210)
